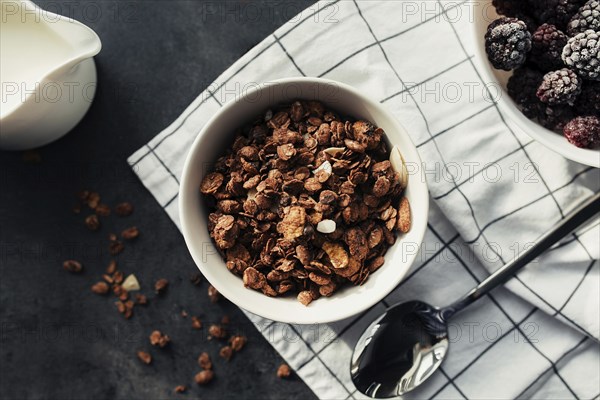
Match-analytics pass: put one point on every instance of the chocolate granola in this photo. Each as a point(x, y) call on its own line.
point(305, 202)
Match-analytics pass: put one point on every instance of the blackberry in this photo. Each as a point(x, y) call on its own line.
point(587, 17)
point(522, 86)
point(555, 117)
point(507, 42)
point(588, 101)
point(582, 53)
point(546, 48)
point(509, 8)
point(583, 131)
point(556, 12)
point(519, 9)
point(559, 87)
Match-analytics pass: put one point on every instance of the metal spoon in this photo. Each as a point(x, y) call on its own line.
point(405, 345)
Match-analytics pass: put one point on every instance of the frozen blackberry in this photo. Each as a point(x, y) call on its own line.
point(555, 117)
point(546, 48)
point(588, 101)
point(582, 53)
point(559, 87)
point(507, 43)
point(583, 132)
point(509, 8)
point(519, 9)
point(522, 87)
point(556, 12)
point(587, 17)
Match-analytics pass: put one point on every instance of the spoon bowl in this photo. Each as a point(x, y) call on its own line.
point(407, 344)
point(399, 350)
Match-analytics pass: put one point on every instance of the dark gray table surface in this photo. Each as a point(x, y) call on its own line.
point(60, 341)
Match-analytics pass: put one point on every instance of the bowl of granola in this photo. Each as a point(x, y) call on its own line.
point(303, 201)
point(541, 62)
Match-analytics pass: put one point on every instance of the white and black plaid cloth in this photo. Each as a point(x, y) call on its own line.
point(494, 191)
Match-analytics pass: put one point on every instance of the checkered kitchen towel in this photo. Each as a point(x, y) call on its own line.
point(494, 191)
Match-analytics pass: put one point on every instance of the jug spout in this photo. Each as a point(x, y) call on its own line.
point(82, 41)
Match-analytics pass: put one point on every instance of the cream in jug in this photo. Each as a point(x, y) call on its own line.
point(47, 74)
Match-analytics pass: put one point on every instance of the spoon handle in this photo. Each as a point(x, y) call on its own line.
point(569, 223)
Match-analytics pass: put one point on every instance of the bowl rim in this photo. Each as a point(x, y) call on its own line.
point(232, 294)
point(513, 117)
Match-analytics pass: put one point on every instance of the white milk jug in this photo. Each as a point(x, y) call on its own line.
point(47, 74)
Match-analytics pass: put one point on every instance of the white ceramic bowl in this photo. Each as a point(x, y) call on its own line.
point(214, 138)
point(483, 14)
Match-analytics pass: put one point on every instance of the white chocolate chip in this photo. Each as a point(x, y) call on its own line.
point(131, 283)
point(399, 166)
point(326, 166)
point(333, 151)
point(326, 226)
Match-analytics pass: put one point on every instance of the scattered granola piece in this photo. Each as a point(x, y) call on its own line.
point(196, 278)
point(226, 352)
point(180, 389)
point(100, 288)
point(92, 222)
point(73, 266)
point(284, 371)
point(115, 247)
point(124, 295)
point(145, 357)
point(112, 267)
point(124, 209)
point(196, 323)
point(117, 277)
point(141, 299)
point(204, 361)
point(129, 310)
point(237, 342)
point(83, 195)
point(216, 331)
point(204, 377)
point(158, 339)
point(213, 294)
point(161, 286)
point(93, 199)
point(117, 289)
point(121, 307)
point(130, 233)
point(102, 210)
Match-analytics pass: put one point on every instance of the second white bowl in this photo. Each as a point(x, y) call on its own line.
point(483, 14)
